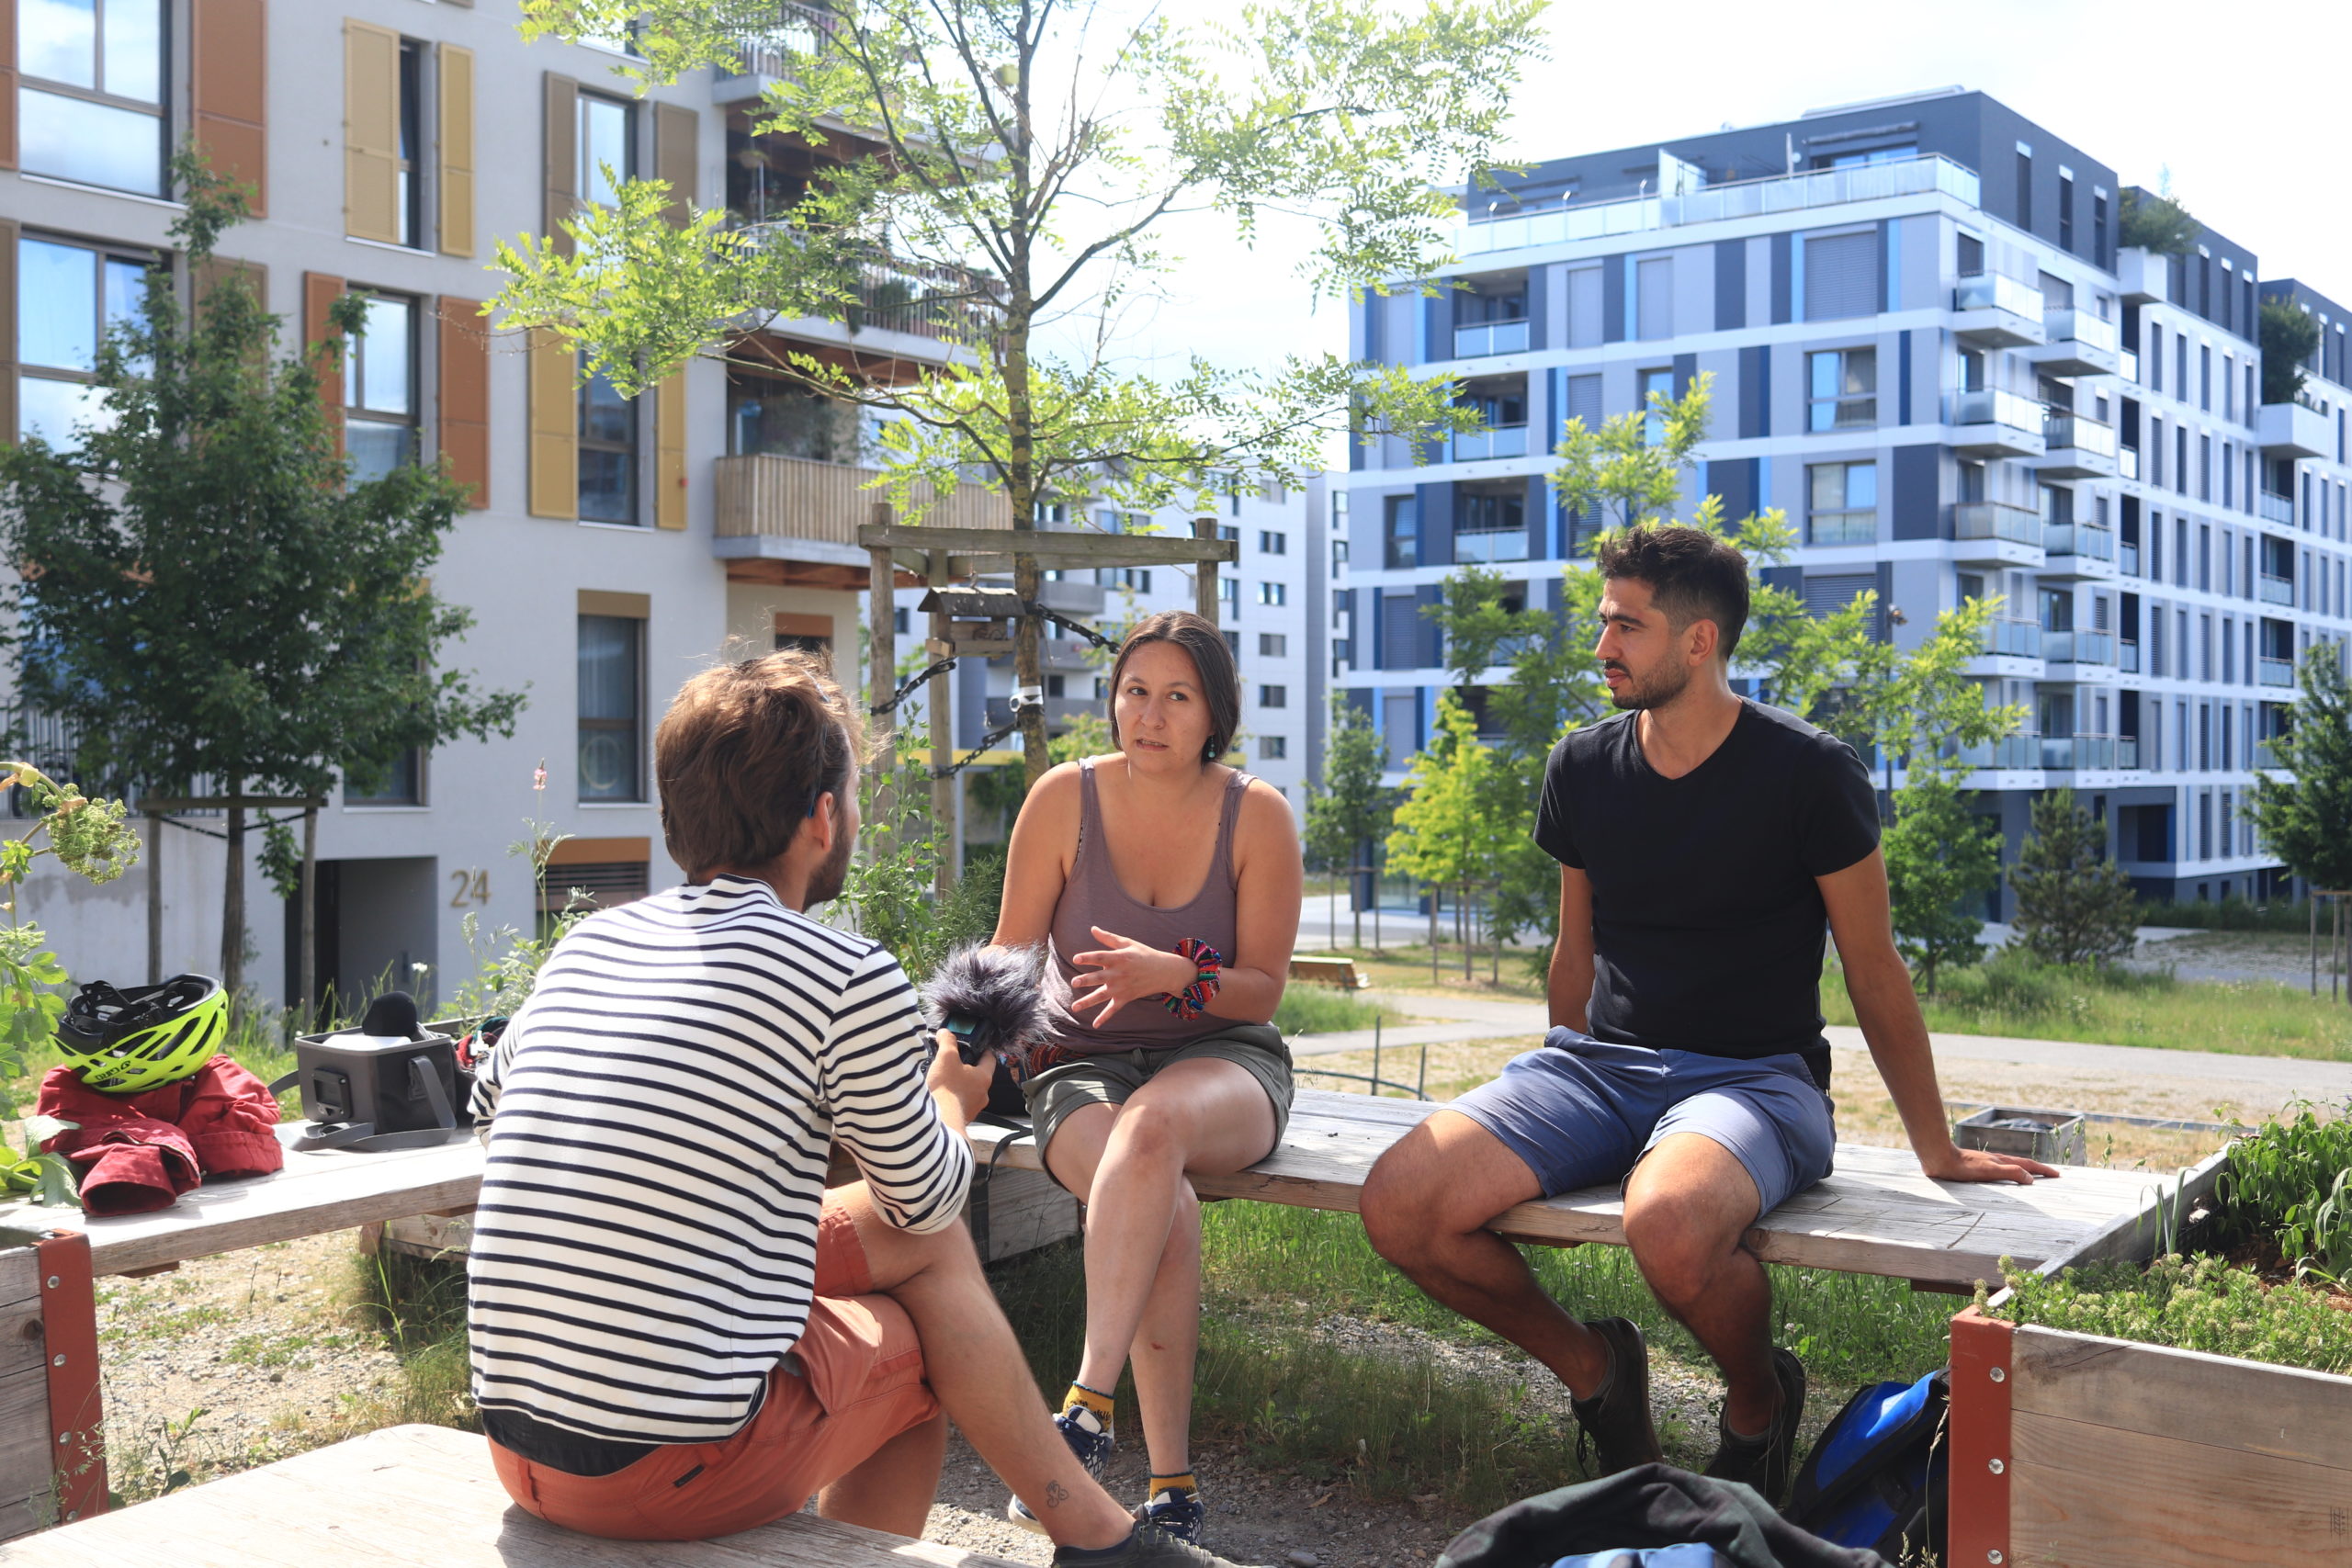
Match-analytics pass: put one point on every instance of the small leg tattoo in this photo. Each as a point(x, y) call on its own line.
point(1055, 1494)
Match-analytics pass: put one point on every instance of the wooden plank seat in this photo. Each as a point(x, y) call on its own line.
point(1323, 969)
point(421, 1495)
point(1877, 1214)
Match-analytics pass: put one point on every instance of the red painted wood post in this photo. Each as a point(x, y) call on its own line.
point(69, 1319)
point(1977, 1529)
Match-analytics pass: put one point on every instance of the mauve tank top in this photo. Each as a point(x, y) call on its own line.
point(1093, 897)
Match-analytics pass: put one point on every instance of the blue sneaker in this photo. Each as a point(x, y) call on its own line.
point(1177, 1511)
point(1089, 1440)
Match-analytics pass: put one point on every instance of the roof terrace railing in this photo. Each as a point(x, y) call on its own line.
point(1712, 204)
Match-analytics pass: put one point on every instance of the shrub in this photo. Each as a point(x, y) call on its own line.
point(2288, 1184)
point(2074, 906)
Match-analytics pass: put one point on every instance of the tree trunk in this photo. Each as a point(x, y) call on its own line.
point(232, 901)
point(1433, 934)
point(1356, 902)
point(1469, 949)
point(309, 977)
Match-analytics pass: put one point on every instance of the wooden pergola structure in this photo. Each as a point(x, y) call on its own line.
point(937, 557)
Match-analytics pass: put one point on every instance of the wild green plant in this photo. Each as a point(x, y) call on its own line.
point(2290, 1183)
point(2192, 1303)
point(1316, 1010)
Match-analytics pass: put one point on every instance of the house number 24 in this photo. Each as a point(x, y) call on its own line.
point(472, 888)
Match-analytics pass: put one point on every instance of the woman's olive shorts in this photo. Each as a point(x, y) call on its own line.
point(1109, 1078)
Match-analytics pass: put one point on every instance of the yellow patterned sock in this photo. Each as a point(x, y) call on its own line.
point(1159, 1484)
point(1101, 1404)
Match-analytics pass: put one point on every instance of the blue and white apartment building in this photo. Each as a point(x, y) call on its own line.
point(1929, 350)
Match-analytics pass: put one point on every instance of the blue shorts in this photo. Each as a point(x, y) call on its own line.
point(1581, 1113)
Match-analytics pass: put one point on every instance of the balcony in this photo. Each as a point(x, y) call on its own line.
point(2080, 345)
point(2265, 755)
point(2280, 673)
point(2276, 508)
point(788, 510)
point(1856, 525)
point(2010, 751)
point(1498, 441)
point(950, 304)
point(1073, 597)
point(2296, 430)
point(1997, 311)
point(766, 56)
point(1717, 203)
point(2012, 636)
point(2127, 558)
point(2077, 753)
point(2076, 446)
point(2078, 648)
point(2277, 590)
point(2127, 462)
point(2127, 656)
point(1998, 533)
point(2079, 549)
point(2127, 364)
point(2126, 753)
point(1995, 424)
point(2146, 275)
point(1490, 338)
point(1504, 544)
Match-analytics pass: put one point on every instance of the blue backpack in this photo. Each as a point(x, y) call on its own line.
point(1875, 1478)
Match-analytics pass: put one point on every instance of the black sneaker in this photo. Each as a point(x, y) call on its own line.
point(1616, 1422)
point(1763, 1462)
point(1150, 1547)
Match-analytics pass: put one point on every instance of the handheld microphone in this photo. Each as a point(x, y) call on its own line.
point(989, 998)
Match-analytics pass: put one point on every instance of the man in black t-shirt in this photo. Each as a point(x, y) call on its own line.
point(1707, 845)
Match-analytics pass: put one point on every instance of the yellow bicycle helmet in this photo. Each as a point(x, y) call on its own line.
point(126, 1042)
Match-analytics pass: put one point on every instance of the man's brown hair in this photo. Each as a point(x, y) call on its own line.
point(1212, 656)
point(1692, 576)
point(745, 754)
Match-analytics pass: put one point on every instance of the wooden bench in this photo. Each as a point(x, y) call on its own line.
point(407, 1496)
point(1319, 969)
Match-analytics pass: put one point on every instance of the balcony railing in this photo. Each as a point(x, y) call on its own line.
point(2070, 325)
point(2276, 508)
point(1491, 337)
point(763, 495)
point(1505, 544)
point(2127, 462)
point(2079, 539)
point(2080, 432)
point(2278, 590)
point(1856, 525)
point(2128, 364)
point(2078, 646)
point(2008, 751)
point(2264, 754)
point(2068, 753)
point(1995, 520)
point(1998, 291)
point(1712, 204)
point(951, 303)
point(1500, 441)
point(2127, 655)
point(2126, 753)
point(2013, 635)
point(2277, 672)
point(2127, 558)
point(1992, 406)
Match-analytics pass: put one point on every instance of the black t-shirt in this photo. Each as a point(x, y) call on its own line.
point(1708, 929)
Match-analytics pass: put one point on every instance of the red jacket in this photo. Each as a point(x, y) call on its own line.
point(136, 1152)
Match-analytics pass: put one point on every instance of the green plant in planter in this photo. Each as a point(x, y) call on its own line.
point(90, 839)
point(2192, 1303)
point(2156, 222)
point(2290, 1182)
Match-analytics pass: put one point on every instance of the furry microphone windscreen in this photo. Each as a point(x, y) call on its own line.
point(991, 992)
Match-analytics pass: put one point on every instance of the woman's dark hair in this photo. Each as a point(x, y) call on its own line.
point(1692, 576)
point(1212, 657)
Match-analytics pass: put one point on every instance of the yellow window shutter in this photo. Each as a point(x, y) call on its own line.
point(371, 133)
point(675, 131)
point(669, 452)
point(456, 151)
point(555, 426)
point(562, 173)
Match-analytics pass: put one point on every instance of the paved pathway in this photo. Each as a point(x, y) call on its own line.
point(2249, 1079)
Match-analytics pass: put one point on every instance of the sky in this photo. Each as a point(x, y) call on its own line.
point(2253, 125)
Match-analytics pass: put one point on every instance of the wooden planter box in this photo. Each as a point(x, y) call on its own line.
point(2073, 1451)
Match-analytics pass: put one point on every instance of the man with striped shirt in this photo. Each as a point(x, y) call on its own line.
point(677, 1332)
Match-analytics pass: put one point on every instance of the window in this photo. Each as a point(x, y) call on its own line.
point(612, 684)
point(1229, 533)
point(1842, 390)
point(1844, 504)
point(2098, 227)
point(607, 149)
point(2025, 187)
point(1338, 556)
point(1228, 592)
point(402, 783)
point(2065, 210)
point(408, 205)
point(1273, 593)
point(768, 415)
point(1655, 386)
point(1401, 530)
point(1274, 544)
point(1273, 645)
point(1585, 305)
point(1273, 748)
point(1971, 257)
point(379, 398)
point(1273, 696)
point(607, 453)
point(91, 105)
point(1490, 525)
point(1232, 641)
point(1653, 313)
point(1137, 578)
point(67, 298)
point(1841, 274)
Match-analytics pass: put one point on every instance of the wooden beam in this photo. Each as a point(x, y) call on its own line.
point(1055, 547)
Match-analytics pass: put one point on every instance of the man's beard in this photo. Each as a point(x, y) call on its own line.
point(1662, 686)
point(826, 882)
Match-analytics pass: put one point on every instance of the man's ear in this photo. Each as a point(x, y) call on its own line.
point(1705, 637)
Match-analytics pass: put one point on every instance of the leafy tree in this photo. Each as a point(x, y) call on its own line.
point(1350, 808)
point(1002, 167)
point(2289, 336)
point(1941, 858)
point(1443, 834)
point(2074, 906)
point(212, 598)
point(2302, 807)
point(2155, 222)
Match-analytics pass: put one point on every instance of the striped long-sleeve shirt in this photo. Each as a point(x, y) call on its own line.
point(644, 1247)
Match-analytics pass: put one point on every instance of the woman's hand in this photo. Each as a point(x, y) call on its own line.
point(1122, 971)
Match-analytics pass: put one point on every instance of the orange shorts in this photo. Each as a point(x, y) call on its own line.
point(863, 1387)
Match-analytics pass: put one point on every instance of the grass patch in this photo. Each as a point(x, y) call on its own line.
point(1405, 967)
point(2233, 915)
point(2011, 994)
point(1322, 1010)
point(418, 1307)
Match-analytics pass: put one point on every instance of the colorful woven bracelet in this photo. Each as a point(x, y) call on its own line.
point(1194, 998)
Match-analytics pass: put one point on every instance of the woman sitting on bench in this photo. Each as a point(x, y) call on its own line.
point(1168, 886)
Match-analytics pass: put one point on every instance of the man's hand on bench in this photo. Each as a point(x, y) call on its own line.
point(1952, 1163)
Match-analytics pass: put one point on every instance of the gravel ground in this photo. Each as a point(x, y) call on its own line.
point(2235, 955)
